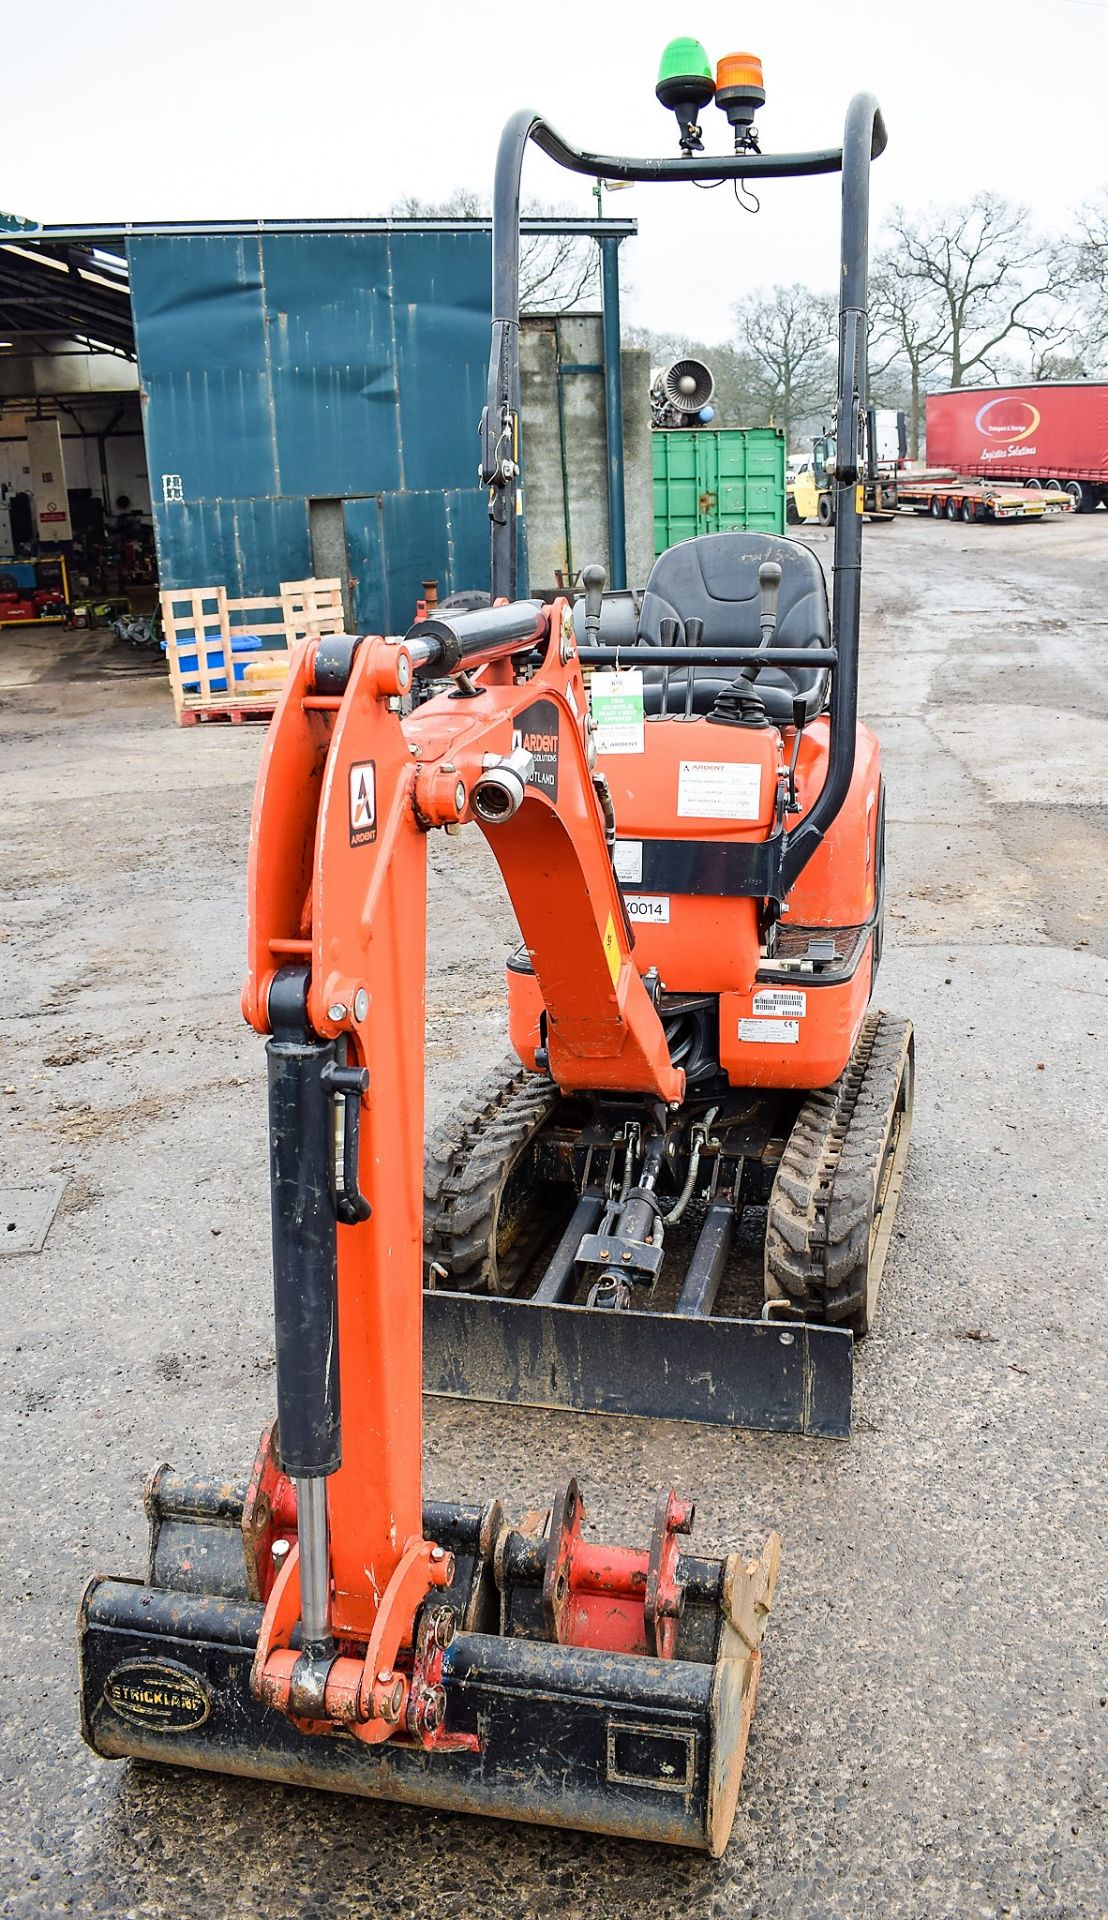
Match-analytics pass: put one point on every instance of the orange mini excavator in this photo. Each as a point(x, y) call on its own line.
point(697, 875)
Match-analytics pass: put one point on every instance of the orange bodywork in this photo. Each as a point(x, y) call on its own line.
point(710, 942)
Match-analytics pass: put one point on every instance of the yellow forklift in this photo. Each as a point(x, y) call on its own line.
point(810, 490)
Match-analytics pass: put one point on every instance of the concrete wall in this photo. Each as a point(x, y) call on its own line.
point(639, 458)
point(565, 486)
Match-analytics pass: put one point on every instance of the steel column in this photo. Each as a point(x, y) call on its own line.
point(613, 413)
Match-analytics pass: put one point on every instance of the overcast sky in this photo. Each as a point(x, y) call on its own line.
point(264, 108)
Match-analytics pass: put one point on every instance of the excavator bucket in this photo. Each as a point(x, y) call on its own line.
point(320, 1624)
point(581, 1685)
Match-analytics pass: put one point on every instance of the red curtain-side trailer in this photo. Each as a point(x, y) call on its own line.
point(1049, 433)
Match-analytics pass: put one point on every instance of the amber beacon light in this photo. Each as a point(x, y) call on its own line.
point(740, 91)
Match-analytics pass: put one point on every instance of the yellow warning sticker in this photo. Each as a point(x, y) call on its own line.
point(611, 950)
point(860, 499)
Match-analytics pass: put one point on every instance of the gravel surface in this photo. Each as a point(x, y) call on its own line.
point(930, 1735)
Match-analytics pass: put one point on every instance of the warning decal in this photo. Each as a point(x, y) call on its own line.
point(611, 950)
point(536, 731)
point(363, 803)
point(616, 700)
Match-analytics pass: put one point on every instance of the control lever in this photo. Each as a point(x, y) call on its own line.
point(668, 630)
point(800, 713)
point(694, 635)
point(769, 586)
point(593, 579)
point(741, 705)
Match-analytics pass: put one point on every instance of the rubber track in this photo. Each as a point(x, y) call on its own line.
point(821, 1207)
point(467, 1162)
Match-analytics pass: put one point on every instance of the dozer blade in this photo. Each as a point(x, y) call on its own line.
point(794, 1377)
point(492, 1333)
point(596, 1737)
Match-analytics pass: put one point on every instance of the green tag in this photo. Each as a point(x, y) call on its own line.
point(617, 708)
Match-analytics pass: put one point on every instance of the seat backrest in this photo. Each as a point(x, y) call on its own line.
point(715, 578)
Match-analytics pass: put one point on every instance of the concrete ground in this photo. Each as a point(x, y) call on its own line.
point(930, 1736)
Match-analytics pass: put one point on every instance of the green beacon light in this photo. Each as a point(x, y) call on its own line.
point(685, 84)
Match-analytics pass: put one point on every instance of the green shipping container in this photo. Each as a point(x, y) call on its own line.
point(707, 481)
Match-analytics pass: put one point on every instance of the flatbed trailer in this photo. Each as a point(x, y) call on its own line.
point(953, 496)
point(1052, 435)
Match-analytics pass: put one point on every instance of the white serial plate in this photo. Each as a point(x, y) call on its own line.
point(628, 862)
point(784, 1033)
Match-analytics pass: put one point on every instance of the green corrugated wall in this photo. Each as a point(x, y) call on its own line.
point(707, 480)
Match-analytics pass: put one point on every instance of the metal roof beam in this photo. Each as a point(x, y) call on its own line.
point(583, 227)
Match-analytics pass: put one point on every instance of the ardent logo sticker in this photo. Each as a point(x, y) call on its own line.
point(1015, 421)
point(158, 1694)
point(363, 803)
point(536, 731)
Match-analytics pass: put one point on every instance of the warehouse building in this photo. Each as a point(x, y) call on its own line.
point(249, 403)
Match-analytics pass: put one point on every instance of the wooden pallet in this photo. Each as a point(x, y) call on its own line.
point(311, 607)
point(235, 711)
point(202, 624)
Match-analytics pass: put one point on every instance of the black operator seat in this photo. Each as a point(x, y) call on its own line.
point(715, 578)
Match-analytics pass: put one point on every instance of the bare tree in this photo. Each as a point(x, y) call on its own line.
point(464, 203)
point(558, 272)
point(1067, 345)
point(986, 273)
point(1081, 263)
point(1088, 249)
point(789, 336)
point(909, 335)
